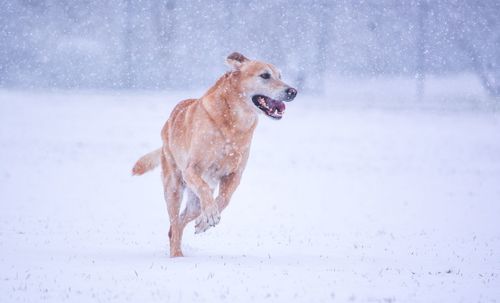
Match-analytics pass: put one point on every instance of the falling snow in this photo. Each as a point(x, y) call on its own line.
point(379, 184)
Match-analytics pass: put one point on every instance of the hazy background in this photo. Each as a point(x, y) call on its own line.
point(380, 183)
point(173, 44)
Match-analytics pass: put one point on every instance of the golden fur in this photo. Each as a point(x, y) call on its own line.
point(206, 142)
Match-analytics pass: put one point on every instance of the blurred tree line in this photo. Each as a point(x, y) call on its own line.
point(160, 44)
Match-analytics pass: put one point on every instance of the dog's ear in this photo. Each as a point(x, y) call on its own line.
point(235, 60)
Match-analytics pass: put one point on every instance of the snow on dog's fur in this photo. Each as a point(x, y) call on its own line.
point(206, 142)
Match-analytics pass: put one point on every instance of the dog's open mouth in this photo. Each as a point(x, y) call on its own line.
point(273, 108)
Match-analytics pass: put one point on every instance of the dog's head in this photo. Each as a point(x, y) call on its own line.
point(261, 85)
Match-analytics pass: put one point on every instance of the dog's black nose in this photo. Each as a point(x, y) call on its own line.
point(291, 93)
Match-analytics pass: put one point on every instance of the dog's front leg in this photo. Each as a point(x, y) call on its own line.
point(228, 185)
point(210, 215)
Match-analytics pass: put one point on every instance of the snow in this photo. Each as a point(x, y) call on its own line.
point(339, 202)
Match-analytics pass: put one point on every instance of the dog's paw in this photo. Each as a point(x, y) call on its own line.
point(208, 218)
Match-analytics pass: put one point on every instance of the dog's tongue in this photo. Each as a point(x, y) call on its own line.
point(280, 106)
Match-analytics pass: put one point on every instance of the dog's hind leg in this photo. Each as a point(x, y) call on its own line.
point(173, 190)
point(209, 215)
point(192, 210)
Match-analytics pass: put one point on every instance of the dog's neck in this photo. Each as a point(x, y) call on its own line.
point(226, 105)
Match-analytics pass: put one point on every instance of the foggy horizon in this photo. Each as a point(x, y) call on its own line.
point(182, 44)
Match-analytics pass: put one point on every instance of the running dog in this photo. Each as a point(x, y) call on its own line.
point(206, 143)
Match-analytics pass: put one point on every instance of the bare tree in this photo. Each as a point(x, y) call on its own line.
point(127, 73)
point(164, 26)
point(476, 32)
point(422, 7)
point(324, 37)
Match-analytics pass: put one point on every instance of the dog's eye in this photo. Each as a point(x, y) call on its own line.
point(265, 75)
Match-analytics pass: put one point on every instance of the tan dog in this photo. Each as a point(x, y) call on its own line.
point(206, 142)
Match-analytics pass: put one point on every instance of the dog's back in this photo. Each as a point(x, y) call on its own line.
point(180, 117)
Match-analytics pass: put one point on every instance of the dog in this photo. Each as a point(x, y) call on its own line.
point(206, 143)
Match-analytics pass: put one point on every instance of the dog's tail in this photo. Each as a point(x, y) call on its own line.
point(147, 162)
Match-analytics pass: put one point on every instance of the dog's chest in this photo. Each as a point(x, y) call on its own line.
point(230, 157)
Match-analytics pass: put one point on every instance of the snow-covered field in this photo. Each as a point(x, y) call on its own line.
point(338, 203)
